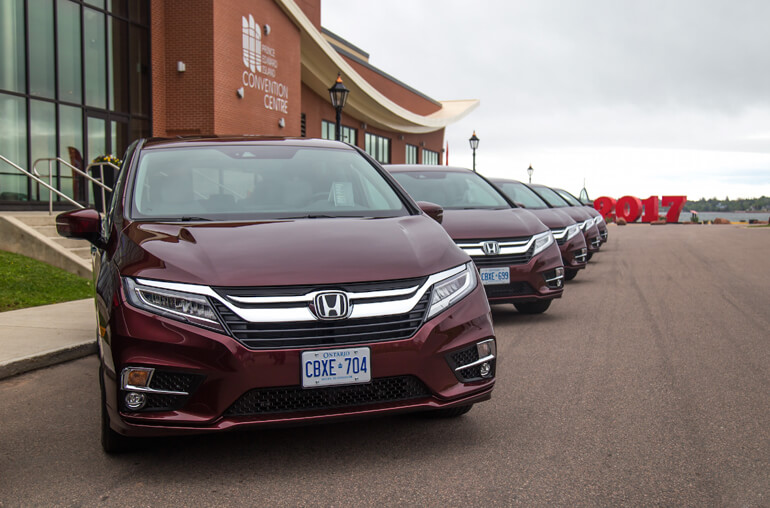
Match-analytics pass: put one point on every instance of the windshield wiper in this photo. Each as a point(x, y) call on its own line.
point(193, 219)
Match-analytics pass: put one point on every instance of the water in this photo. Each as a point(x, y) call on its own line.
point(731, 216)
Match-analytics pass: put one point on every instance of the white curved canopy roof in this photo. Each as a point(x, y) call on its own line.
point(320, 64)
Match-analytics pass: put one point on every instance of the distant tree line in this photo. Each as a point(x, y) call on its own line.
point(729, 205)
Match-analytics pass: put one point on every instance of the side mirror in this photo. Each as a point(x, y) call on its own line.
point(85, 224)
point(432, 210)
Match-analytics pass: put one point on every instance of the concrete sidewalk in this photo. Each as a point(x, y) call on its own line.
point(41, 336)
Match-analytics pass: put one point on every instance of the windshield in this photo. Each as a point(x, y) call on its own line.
point(243, 182)
point(520, 193)
point(551, 197)
point(451, 189)
point(569, 198)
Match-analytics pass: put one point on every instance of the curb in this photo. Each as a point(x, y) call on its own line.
point(47, 358)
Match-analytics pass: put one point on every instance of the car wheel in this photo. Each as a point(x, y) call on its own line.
point(533, 307)
point(450, 412)
point(570, 273)
point(112, 442)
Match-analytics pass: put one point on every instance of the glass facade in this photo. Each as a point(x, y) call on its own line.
point(429, 157)
point(411, 154)
point(378, 147)
point(75, 84)
point(347, 134)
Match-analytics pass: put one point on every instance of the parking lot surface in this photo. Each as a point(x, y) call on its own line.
point(648, 383)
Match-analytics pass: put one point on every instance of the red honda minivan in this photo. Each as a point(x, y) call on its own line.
point(565, 229)
point(244, 282)
point(579, 213)
point(517, 256)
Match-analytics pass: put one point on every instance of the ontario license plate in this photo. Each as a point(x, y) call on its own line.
point(330, 367)
point(491, 276)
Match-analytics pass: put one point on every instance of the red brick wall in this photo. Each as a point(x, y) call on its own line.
point(257, 112)
point(158, 62)
point(395, 92)
point(183, 101)
point(317, 109)
point(312, 9)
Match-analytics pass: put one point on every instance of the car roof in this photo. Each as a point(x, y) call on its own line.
point(495, 179)
point(155, 143)
point(421, 168)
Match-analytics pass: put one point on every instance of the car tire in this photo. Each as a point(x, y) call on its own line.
point(112, 442)
point(570, 273)
point(450, 412)
point(537, 307)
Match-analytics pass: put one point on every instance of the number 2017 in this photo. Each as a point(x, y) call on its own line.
point(630, 208)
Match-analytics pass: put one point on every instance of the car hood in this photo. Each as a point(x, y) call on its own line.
point(554, 218)
point(489, 224)
point(578, 213)
point(288, 252)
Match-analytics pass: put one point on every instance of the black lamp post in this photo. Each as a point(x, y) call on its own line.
point(338, 94)
point(529, 172)
point(474, 145)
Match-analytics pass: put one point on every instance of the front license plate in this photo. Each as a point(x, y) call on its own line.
point(330, 367)
point(491, 276)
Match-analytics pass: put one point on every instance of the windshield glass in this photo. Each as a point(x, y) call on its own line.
point(243, 182)
point(551, 197)
point(520, 193)
point(451, 189)
point(569, 198)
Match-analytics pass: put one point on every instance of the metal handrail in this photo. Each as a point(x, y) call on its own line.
point(50, 160)
point(40, 181)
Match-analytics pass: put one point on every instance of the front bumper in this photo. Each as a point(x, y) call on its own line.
point(573, 252)
point(593, 239)
point(231, 378)
point(529, 281)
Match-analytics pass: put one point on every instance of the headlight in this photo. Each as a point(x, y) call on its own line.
point(542, 241)
point(587, 224)
point(599, 220)
point(449, 291)
point(193, 309)
point(572, 231)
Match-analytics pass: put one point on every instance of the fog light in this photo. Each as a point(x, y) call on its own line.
point(486, 369)
point(135, 400)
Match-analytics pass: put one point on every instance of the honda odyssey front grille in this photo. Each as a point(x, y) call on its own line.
point(295, 334)
point(501, 252)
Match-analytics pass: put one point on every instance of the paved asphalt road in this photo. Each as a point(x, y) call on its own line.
point(647, 384)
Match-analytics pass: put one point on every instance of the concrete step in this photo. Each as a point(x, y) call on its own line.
point(33, 234)
point(35, 219)
point(70, 243)
point(48, 231)
point(83, 252)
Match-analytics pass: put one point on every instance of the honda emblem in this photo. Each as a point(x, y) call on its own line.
point(490, 248)
point(331, 305)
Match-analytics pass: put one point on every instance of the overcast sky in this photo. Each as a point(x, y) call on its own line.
point(636, 97)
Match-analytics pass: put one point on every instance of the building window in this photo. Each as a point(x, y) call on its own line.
point(85, 92)
point(411, 154)
point(378, 147)
point(348, 133)
point(429, 157)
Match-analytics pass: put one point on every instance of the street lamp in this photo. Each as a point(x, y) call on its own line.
point(529, 172)
point(338, 94)
point(474, 145)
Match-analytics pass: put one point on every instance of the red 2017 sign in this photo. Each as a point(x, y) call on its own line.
point(630, 208)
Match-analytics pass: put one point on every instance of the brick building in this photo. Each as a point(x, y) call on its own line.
point(81, 78)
